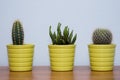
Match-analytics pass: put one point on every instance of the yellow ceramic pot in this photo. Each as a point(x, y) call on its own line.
point(20, 57)
point(102, 57)
point(61, 57)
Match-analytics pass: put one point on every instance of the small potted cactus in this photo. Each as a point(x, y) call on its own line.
point(62, 49)
point(20, 55)
point(102, 51)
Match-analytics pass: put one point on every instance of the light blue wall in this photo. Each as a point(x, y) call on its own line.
point(83, 16)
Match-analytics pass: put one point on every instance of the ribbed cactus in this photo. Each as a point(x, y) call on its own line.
point(64, 38)
point(102, 36)
point(17, 33)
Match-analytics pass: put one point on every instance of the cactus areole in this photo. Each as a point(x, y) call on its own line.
point(62, 38)
point(17, 33)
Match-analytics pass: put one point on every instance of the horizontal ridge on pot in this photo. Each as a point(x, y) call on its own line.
point(20, 60)
point(29, 68)
point(102, 59)
point(101, 55)
point(105, 64)
point(95, 68)
point(61, 59)
point(25, 64)
point(56, 68)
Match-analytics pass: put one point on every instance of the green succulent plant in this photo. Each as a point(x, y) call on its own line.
point(17, 33)
point(62, 38)
point(102, 36)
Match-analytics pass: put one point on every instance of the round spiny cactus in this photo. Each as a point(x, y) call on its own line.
point(17, 33)
point(102, 36)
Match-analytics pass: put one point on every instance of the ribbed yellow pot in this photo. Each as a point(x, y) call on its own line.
point(20, 57)
point(102, 57)
point(61, 57)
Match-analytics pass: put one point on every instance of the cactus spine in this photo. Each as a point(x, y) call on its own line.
point(102, 36)
point(17, 33)
point(62, 38)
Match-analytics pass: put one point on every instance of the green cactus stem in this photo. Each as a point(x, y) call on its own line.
point(17, 33)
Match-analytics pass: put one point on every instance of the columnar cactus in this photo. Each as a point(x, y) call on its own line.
point(102, 36)
point(17, 33)
point(62, 38)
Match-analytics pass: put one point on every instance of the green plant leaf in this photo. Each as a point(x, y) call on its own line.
point(54, 38)
point(51, 35)
point(58, 29)
point(70, 36)
point(57, 39)
point(66, 33)
point(74, 39)
point(62, 41)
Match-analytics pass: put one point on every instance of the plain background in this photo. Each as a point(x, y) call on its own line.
point(82, 16)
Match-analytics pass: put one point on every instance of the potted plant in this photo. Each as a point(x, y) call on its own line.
point(102, 51)
point(62, 49)
point(20, 55)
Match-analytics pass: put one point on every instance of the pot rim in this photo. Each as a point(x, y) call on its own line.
point(102, 44)
point(71, 45)
point(21, 46)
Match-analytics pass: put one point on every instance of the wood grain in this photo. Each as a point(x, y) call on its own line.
point(44, 73)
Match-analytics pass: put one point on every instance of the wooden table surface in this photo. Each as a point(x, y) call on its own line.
point(44, 73)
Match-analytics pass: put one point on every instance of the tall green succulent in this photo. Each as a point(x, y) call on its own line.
point(102, 36)
point(17, 33)
point(62, 38)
